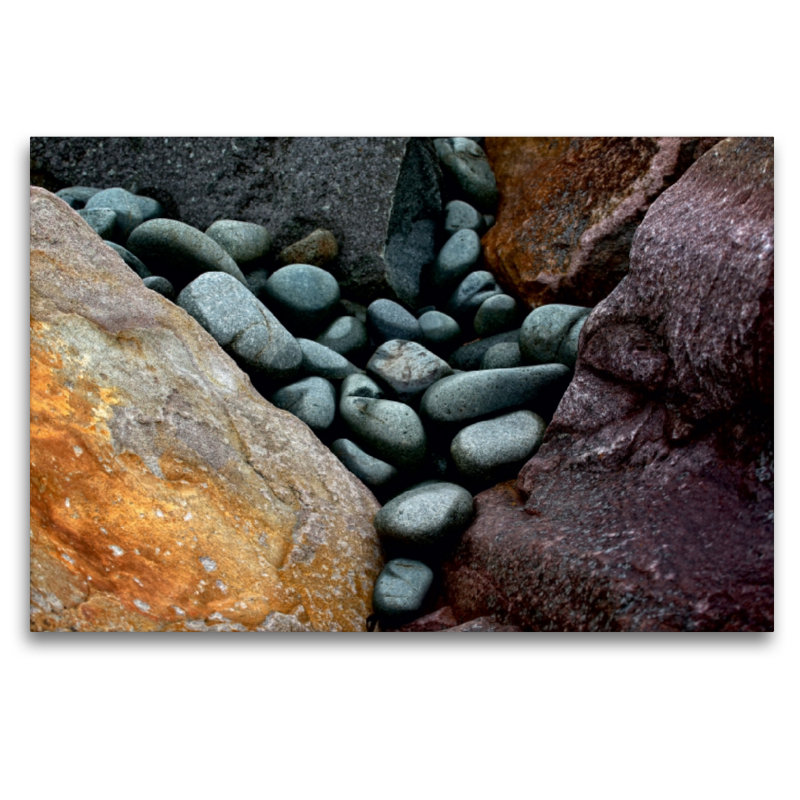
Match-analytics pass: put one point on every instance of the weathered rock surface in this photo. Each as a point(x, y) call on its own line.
point(650, 503)
point(318, 248)
point(569, 208)
point(166, 494)
point(407, 368)
point(380, 197)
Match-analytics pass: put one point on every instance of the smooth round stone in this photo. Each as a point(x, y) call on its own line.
point(160, 285)
point(407, 368)
point(471, 294)
point(150, 208)
point(391, 430)
point(245, 242)
point(368, 469)
point(346, 336)
point(465, 164)
point(126, 207)
point(477, 394)
point(360, 386)
point(257, 281)
point(470, 356)
point(313, 400)
point(486, 450)
point(440, 332)
point(324, 362)
point(303, 297)
point(241, 324)
point(79, 195)
point(497, 314)
point(549, 334)
point(180, 252)
point(401, 588)
point(426, 515)
point(389, 320)
point(103, 221)
point(130, 259)
point(459, 215)
point(318, 248)
point(458, 256)
point(502, 356)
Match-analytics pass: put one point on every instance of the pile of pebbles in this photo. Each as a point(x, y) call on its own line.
point(426, 407)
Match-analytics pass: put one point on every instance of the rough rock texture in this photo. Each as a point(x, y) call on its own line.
point(569, 208)
point(650, 504)
point(166, 494)
point(379, 197)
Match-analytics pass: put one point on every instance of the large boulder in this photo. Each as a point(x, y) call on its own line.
point(569, 208)
point(166, 494)
point(379, 197)
point(650, 504)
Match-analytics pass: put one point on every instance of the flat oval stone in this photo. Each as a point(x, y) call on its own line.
point(103, 221)
point(470, 355)
point(346, 336)
point(502, 356)
point(303, 297)
point(470, 295)
point(79, 194)
point(401, 588)
point(318, 248)
point(458, 256)
point(370, 470)
point(150, 208)
point(440, 332)
point(324, 362)
point(497, 314)
point(241, 324)
point(124, 205)
point(313, 400)
point(245, 242)
point(547, 335)
point(476, 394)
point(180, 252)
point(360, 386)
point(389, 320)
point(407, 368)
point(130, 259)
point(487, 450)
point(459, 215)
point(426, 515)
point(161, 285)
point(390, 429)
point(465, 166)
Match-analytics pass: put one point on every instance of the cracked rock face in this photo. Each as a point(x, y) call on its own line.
point(166, 494)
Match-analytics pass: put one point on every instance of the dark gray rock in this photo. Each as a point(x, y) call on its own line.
point(78, 194)
point(313, 400)
point(440, 332)
point(103, 221)
point(242, 325)
point(499, 447)
point(303, 297)
point(389, 320)
point(150, 208)
point(390, 429)
point(473, 395)
point(360, 386)
point(502, 356)
point(428, 515)
point(324, 362)
point(246, 243)
point(459, 215)
point(469, 356)
point(454, 262)
point(470, 295)
point(179, 252)
point(160, 285)
point(346, 336)
point(130, 259)
point(372, 471)
point(407, 368)
point(550, 333)
point(488, 221)
point(467, 172)
point(497, 314)
point(124, 205)
point(401, 589)
point(318, 248)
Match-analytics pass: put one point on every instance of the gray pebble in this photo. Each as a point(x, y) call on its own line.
point(245, 242)
point(130, 259)
point(313, 400)
point(470, 355)
point(370, 470)
point(502, 356)
point(466, 167)
point(150, 208)
point(78, 194)
point(124, 205)
point(401, 588)
point(160, 285)
point(103, 221)
point(471, 293)
point(257, 281)
point(407, 368)
point(458, 256)
point(497, 314)
point(303, 297)
point(549, 334)
point(389, 320)
point(459, 215)
point(324, 362)
point(346, 336)
point(440, 332)
point(488, 221)
point(360, 386)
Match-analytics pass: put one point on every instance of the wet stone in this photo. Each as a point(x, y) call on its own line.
point(161, 285)
point(401, 589)
point(407, 368)
point(550, 334)
point(372, 471)
point(389, 320)
point(130, 259)
point(246, 243)
point(313, 400)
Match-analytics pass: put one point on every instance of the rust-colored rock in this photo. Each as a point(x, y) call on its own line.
point(166, 494)
point(317, 249)
point(569, 208)
point(650, 504)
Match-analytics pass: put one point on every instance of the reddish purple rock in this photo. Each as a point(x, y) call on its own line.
point(650, 504)
point(483, 625)
point(439, 620)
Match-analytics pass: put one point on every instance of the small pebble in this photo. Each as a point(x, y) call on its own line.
point(401, 588)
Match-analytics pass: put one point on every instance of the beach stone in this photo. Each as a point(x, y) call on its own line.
point(427, 515)
point(103, 221)
point(497, 314)
point(469, 356)
point(471, 294)
point(246, 243)
point(401, 588)
point(459, 215)
point(179, 252)
point(346, 336)
point(324, 362)
point(359, 385)
point(407, 368)
point(79, 195)
point(458, 256)
point(497, 448)
point(303, 297)
point(502, 356)
point(257, 281)
point(312, 400)
point(390, 429)
point(124, 205)
point(242, 325)
point(161, 285)
point(471, 395)
point(440, 332)
point(130, 259)
point(549, 334)
point(467, 172)
point(372, 471)
point(150, 208)
point(389, 320)
point(318, 249)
